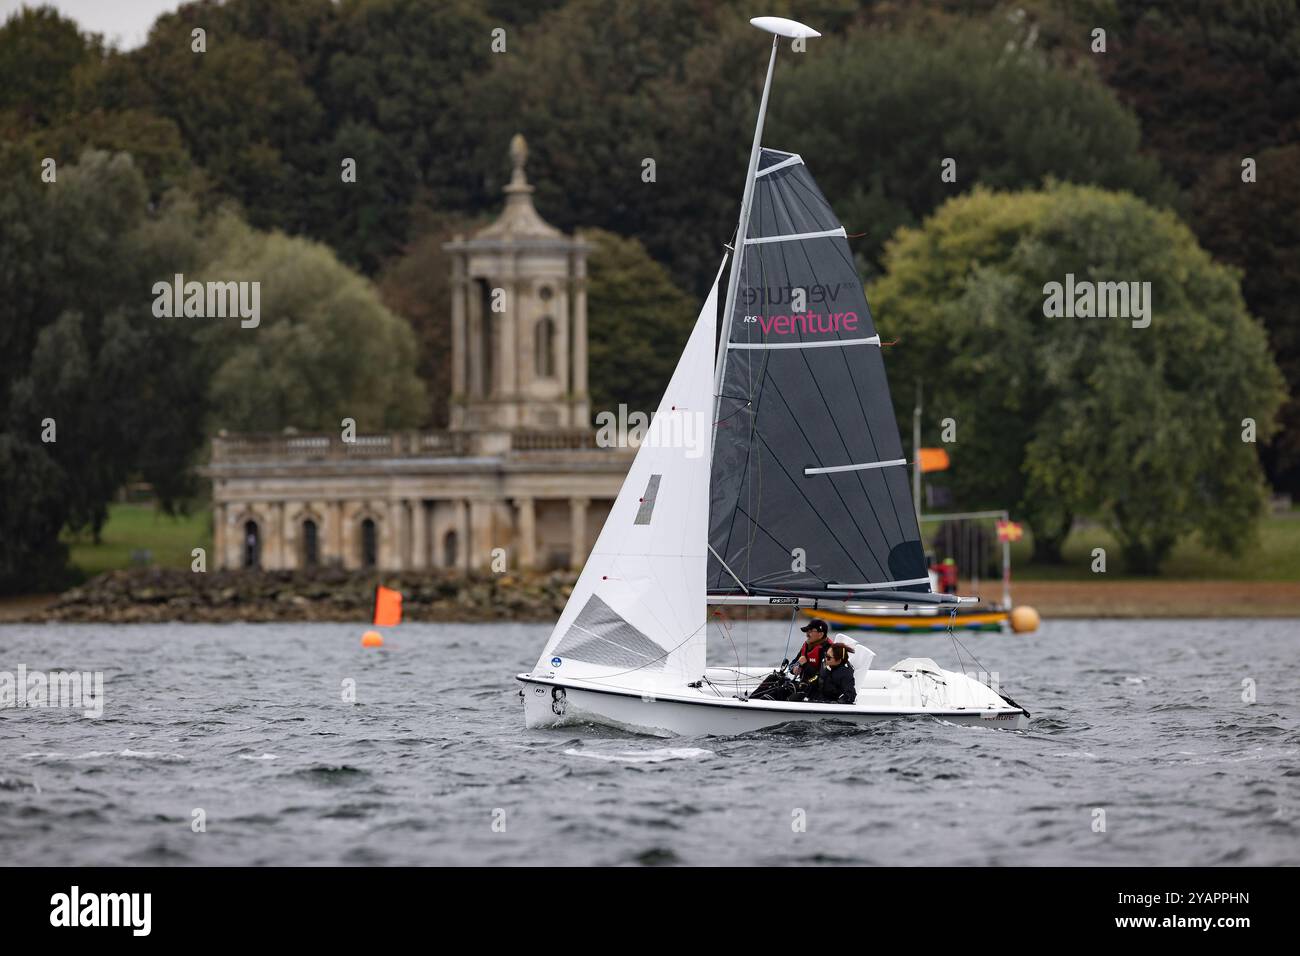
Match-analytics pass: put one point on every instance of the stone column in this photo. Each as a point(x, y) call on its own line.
point(288, 537)
point(580, 338)
point(526, 533)
point(234, 537)
point(459, 289)
point(462, 535)
point(332, 550)
point(217, 559)
point(507, 383)
point(419, 534)
point(480, 534)
point(390, 553)
point(474, 332)
point(578, 532)
point(273, 550)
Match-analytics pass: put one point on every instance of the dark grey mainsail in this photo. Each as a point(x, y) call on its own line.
point(809, 491)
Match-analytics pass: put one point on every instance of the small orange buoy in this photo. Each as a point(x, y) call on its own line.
point(372, 639)
point(1024, 619)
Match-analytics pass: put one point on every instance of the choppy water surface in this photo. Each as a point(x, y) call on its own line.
point(1142, 720)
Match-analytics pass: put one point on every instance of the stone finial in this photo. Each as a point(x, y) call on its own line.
point(518, 156)
point(519, 218)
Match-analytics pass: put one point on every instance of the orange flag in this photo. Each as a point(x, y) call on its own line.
point(388, 606)
point(934, 459)
point(1009, 531)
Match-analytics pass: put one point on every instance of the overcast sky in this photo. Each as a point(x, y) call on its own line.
point(122, 22)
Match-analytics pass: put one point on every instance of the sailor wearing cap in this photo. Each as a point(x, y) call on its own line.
point(808, 662)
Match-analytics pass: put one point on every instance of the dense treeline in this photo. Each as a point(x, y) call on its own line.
point(242, 144)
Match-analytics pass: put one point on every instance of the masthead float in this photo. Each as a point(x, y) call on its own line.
point(803, 500)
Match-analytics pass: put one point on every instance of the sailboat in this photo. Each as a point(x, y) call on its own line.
point(803, 501)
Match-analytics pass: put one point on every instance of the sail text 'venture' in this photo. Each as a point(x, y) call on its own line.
point(805, 323)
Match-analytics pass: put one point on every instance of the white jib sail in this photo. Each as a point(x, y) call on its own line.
point(637, 616)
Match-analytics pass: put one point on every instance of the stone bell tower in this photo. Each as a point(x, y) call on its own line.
point(519, 320)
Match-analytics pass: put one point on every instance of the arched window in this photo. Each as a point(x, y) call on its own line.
point(544, 348)
point(369, 544)
point(310, 544)
point(449, 549)
point(252, 545)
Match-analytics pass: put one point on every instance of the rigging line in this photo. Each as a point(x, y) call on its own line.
point(794, 612)
point(871, 435)
point(726, 631)
point(952, 618)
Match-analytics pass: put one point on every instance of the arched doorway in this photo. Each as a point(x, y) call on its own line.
point(310, 544)
point(450, 549)
point(369, 544)
point(252, 545)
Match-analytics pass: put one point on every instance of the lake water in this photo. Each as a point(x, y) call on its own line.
point(1140, 726)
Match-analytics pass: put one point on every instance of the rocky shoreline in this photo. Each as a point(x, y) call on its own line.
point(155, 595)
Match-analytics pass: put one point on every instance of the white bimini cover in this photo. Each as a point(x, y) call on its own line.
point(636, 618)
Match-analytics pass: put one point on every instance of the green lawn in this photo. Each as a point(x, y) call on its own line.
point(1274, 557)
point(141, 527)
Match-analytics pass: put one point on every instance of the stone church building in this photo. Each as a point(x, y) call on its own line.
point(518, 469)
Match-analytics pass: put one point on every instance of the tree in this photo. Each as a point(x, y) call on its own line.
point(325, 348)
point(417, 286)
point(1215, 82)
point(897, 104)
point(43, 57)
point(84, 362)
point(244, 109)
point(1254, 226)
point(1140, 428)
point(639, 323)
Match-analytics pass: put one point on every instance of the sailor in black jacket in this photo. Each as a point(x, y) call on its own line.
point(835, 683)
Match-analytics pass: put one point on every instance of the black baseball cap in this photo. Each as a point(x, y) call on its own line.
point(816, 624)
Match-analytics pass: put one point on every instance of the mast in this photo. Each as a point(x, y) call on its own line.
point(778, 27)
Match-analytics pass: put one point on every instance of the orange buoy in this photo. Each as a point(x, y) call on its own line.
point(372, 639)
point(1024, 619)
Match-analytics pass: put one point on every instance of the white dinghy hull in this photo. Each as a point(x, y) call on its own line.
point(554, 703)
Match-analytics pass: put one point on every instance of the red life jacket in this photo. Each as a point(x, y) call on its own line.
point(814, 655)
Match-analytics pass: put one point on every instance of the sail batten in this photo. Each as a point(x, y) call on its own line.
point(807, 491)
